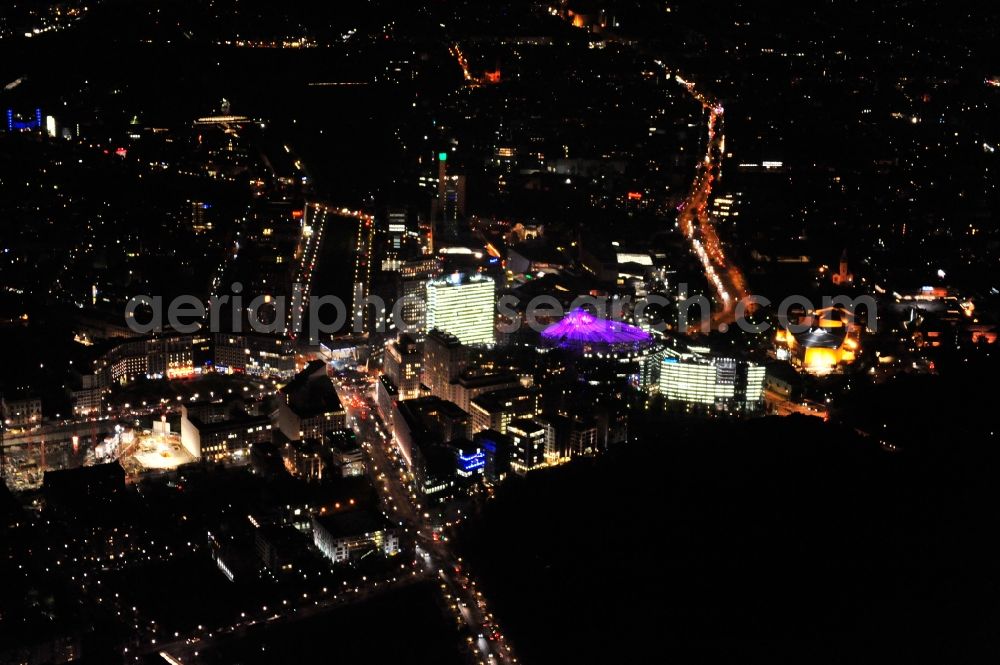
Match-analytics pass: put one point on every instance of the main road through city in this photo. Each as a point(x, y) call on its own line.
point(693, 216)
point(486, 645)
point(402, 502)
point(696, 222)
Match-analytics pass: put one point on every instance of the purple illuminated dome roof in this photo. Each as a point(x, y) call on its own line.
point(580, 327)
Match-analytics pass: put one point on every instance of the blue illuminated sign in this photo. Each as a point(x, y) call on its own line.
point(472, 462)
point(20, 125)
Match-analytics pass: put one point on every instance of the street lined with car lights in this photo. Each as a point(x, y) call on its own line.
point(401, 501)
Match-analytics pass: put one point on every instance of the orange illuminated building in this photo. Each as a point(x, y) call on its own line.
point(843, 276)
point(828, 342)
point(983, 334)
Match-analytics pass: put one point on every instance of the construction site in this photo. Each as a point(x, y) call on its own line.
point(26, 454)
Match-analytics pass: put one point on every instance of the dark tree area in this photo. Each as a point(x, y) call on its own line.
point(787, 540)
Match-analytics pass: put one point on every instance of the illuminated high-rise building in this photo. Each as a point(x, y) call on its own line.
point(201, 222)
point(498, 409)
point(413, 276)
point(450, 205)
point(528, 449)
point(701, 381)
point(444, 360)
point(726, 208)
point(394, 232)
point(401, 364)
point(463, 305)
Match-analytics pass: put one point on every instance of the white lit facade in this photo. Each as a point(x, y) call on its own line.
point(463, 305)
point(715, 383)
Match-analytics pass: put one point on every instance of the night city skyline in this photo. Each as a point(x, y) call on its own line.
point(495, 333)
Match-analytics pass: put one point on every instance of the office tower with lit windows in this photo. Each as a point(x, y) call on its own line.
point(472, 384)
point(498, 409)
point(309, 406)
point(413, 276)
point(394, 237)
point(201, 222)
point(444, 360)
point(497, 448)
point(450, 204)
point(726, 208)
point(567, 436)
point(528, 445)
point(401, 365)
point(463, 305)
point(21, 412)
point(354, 534)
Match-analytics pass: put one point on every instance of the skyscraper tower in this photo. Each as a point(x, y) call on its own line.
point(450, 205)
point(401, 363)
point(442, 171)
point(394, 236)
point(413, 277)
point(464, 306)
point(453, 206)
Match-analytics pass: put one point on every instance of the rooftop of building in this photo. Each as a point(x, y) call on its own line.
point(305, 446)
point(490, 439)
point(539, 251)
point(525, 426)
point(564, 423)
point(433, 405)
point(342, 440)
point(499, 400)
point(473, 380)
point(564, 286)
point(439, 462)
point(682, 350)
point(279, 535)
point(303, 378)
point(464, 446)
point(430, 418)
point(351, 523)
point(314, 395)
point(461, 279)
point(234, 421)
point(581, 328)
point(822, 337)
point(405, 342)
point(444, 338)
